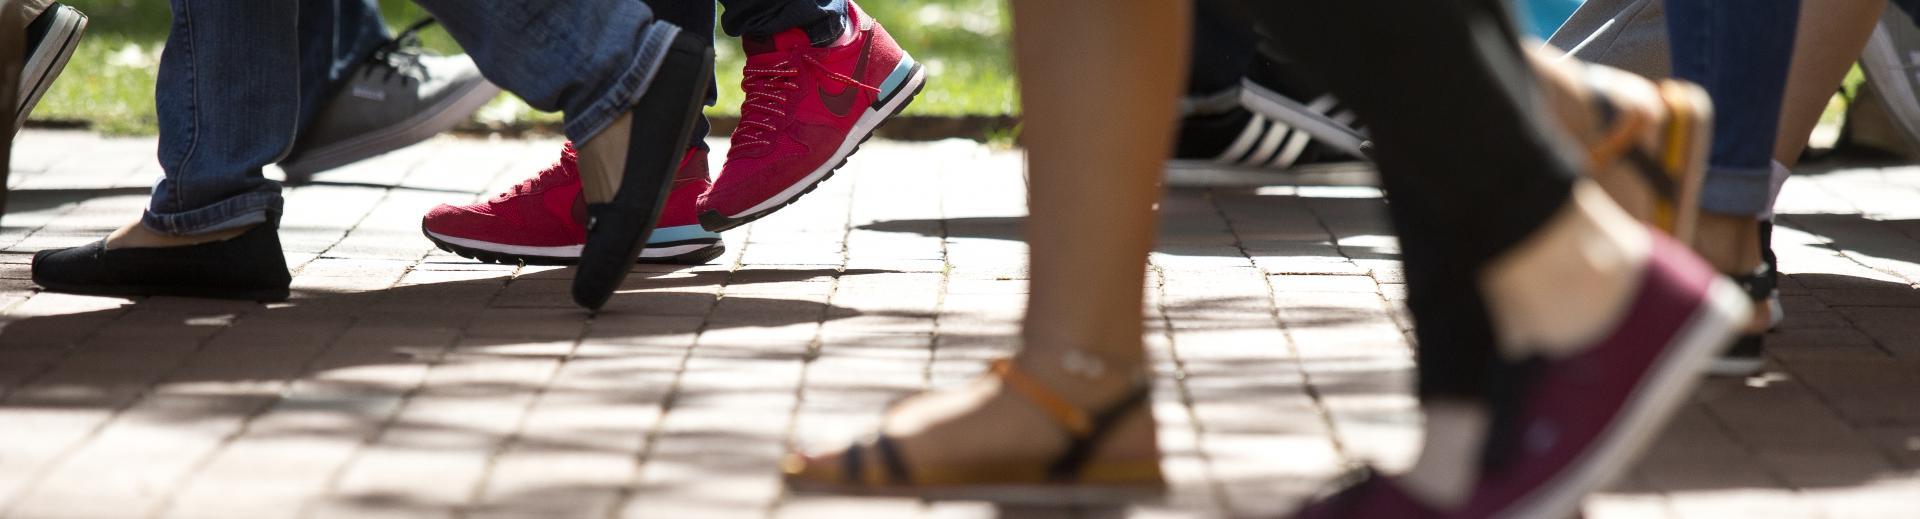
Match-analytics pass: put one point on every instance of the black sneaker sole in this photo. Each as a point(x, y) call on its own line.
point(711, 249)
point(717, 222)
point(45, 66)
point(662, 125)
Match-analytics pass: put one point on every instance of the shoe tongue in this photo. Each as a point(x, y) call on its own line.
point(783, 40)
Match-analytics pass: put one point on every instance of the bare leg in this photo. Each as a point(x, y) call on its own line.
point(1098, 85)
point(1831, 35)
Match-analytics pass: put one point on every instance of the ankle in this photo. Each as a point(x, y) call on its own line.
point(135, 235)
point(1731, 243)
point(1090, 379)
point(1560, 288)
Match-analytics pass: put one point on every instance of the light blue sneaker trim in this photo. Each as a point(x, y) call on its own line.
point(897, 77)
point(680, 233)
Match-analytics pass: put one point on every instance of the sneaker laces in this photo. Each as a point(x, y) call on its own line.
point(765, 90)
point(402, 53)
point(539, 181)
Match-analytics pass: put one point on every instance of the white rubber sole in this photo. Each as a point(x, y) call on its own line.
point(560, 252)
point(441, 117)
point(1272, 105)
point(1209, 173)
point(1708, 332)
point(861, 130)
point(45, 65)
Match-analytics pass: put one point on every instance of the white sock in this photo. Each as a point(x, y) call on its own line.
point(1449, 464)
point(1776, 181)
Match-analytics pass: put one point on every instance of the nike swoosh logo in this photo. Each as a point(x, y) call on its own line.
point(841, 104)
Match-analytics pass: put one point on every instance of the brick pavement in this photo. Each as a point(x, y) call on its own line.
point(405, 382)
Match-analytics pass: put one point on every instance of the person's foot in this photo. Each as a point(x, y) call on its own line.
point(398, 97)
point(1738, 247)
point(807, 109)
point(247, 265)
point(51, 40)
point(1581, 415)
point(1009, 436)
point(542, 221)
point(628, 168)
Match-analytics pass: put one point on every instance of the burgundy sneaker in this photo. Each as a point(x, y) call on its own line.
point(1578, 421)
point(807, 109)
point(542, 221)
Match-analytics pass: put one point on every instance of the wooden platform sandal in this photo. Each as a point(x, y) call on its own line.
point(875, 466)
point(1652, 164)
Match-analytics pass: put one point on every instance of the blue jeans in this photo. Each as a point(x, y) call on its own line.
point(230, 101)
point(239, 79)
point(1739, 51)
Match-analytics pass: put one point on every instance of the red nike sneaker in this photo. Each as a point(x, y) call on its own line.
point(542, 221)
point(807, 109)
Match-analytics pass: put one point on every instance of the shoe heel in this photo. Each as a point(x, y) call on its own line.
point(662, 127)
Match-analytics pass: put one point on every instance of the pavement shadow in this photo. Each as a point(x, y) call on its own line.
point(102, 358)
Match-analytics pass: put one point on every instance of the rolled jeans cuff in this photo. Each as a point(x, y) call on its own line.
point(1743, 191)
point(626, 92)
point(232, 213)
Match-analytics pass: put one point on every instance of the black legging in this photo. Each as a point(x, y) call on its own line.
point(1468, 167)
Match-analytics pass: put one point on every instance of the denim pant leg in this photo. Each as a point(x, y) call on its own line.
point(335, 36)
point(590, 59)
point(228, 97)
point(1739, 51)
point(765, 17)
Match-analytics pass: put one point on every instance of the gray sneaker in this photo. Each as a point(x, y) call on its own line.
point(51, 39)
point(1891, 62)
point(398, 97)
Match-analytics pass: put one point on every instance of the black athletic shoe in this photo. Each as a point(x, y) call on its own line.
point(51, 39)
point(635, 159)
point(1239, 147)
point(247, 267)
point(1286, 94)
point(1276, 121)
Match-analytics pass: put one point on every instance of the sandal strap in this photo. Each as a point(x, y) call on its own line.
point(1069, 416)
point(1760, 284)
point(1085, 431)
point(1622, 128)
point(853, 463)
point(1067, 467)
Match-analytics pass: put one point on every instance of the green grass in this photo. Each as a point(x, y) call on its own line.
point(108, 85)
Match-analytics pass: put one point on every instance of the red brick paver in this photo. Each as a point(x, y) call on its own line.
point(402, 381)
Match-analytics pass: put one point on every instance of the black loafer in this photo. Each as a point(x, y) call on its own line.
point(247, 267)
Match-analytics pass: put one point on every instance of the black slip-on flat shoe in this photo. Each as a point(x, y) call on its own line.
point(245, 267)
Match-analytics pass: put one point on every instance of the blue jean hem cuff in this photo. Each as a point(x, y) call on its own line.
point(232, 213)
point(1744, 191)
point(626, 92)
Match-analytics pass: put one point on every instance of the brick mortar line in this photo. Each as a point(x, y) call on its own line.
point(650, 439)
point(331, 486)
point(1216, 488)
point(480, 487)
point(6, 313)
point(307, 367)
point(1286, 330)
point(10, 503)
point(815, 344)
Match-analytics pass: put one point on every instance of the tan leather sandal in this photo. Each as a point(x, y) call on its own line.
point(875, 467)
